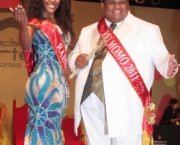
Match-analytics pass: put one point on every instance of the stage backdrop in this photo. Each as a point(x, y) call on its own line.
point(12, 68)
point(170, 4)
point(13, 75)
point(9, 3)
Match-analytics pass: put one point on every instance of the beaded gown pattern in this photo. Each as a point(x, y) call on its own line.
point(46, 93)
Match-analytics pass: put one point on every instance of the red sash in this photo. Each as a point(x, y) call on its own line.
point(127, 65)
point(29, 59)
point(56, 41)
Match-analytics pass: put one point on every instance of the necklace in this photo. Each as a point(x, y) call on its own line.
point(155, 3)
point(140, 1)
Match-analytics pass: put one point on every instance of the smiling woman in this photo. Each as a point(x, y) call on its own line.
point(50, 8)
point(45, 25)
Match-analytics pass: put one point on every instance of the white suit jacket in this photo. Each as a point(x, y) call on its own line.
point(144, 43)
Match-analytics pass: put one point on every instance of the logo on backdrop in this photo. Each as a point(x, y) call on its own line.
point(11, 54)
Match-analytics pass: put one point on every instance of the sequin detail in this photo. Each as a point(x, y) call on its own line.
point(46, 94)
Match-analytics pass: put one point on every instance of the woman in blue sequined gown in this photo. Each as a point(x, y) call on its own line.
point(46, 94)
point(47, 89)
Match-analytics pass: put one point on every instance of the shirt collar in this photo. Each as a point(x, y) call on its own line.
point(109, 23)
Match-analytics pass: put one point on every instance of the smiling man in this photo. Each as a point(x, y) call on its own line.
point(112, 87)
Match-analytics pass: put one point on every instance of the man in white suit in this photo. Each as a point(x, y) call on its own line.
point(109, 95)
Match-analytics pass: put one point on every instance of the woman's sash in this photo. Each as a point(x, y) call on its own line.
point(29, 59)
point(56, 41)
point(127, 65)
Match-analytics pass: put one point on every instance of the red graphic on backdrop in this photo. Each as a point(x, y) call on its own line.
point(9, 3)
point(157, 75)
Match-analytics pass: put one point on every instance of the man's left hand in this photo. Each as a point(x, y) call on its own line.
point(172, 67)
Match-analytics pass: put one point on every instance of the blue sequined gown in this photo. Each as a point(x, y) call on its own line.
point(46, 93)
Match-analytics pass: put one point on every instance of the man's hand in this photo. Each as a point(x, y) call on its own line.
point(172, 67)
point(81, 61)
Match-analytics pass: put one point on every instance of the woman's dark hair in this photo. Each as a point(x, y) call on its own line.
point(173, 101)
point(63, 14)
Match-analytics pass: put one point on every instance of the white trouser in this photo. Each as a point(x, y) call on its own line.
point(93, 113)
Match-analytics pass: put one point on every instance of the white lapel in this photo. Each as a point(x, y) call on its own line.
point(94, 37)
point(124, 31)
point(125, 28)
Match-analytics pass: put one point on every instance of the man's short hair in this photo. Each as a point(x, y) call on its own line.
point(173, 101)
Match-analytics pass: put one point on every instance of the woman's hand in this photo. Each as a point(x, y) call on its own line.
point(25, 32)
point(20, 15)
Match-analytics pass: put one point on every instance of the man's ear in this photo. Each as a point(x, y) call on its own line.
point(102, 5)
